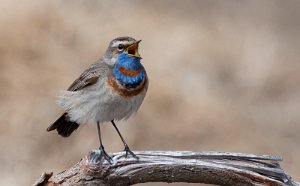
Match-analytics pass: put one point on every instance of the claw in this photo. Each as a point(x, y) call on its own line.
point(128, 151)
point(105, 155)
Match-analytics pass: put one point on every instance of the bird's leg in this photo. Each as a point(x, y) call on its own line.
point(126, 148)
point(101, 148)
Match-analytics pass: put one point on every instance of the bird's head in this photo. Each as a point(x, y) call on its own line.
point(120, 45)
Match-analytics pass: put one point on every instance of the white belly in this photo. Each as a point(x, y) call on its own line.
point(98, 103)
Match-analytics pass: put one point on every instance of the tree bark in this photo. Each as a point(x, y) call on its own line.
point(220, 168)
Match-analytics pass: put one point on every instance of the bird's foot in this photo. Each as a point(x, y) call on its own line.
point(104, 154)
point(128, 151)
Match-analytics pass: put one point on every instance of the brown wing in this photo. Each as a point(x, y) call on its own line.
point(90, 76)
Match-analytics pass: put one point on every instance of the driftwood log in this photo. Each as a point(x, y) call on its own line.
point(220, 168)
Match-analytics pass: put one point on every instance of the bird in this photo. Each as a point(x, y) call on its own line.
point(111, 89)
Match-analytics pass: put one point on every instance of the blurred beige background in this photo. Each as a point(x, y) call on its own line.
point(224, 77)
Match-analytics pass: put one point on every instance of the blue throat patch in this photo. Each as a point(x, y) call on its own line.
point(129, 63)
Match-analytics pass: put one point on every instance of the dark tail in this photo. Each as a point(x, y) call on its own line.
point(64, 126)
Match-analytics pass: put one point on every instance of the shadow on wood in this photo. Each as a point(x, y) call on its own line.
point(220, 168)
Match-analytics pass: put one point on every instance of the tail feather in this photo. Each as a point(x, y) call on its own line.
point(64, 126)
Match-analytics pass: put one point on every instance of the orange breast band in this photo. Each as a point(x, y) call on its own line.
point(123, 91)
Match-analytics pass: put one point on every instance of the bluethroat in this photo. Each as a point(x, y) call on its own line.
point(113, 88)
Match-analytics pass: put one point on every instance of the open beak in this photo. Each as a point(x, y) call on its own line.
point(132, 50)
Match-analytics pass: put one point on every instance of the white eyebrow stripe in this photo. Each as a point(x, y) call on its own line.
point(124, 42)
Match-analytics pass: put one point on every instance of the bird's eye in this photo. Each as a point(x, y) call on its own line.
point(121, 47)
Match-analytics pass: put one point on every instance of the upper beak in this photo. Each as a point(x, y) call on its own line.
point(132, 50)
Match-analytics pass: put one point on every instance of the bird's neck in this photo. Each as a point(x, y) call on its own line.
point(129, 71)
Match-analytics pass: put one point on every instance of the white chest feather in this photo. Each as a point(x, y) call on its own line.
point(98, 102)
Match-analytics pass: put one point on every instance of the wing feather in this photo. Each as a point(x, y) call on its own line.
point(90, 76)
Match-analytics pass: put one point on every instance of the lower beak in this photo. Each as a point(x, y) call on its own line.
point(132, 50)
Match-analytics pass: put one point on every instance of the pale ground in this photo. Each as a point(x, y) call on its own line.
point(224, 77)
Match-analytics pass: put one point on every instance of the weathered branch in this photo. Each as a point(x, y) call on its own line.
point(174, 166)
